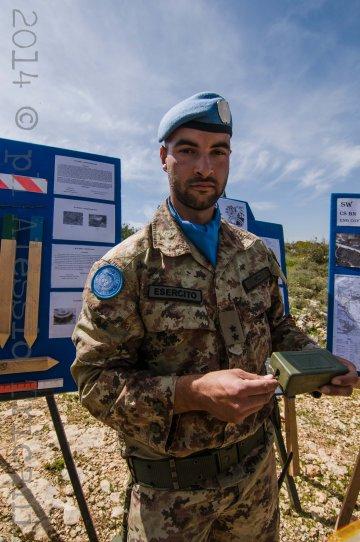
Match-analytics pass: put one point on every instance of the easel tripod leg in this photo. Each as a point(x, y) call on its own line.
point(70, 465)
point(280, 445)
point(351, 496)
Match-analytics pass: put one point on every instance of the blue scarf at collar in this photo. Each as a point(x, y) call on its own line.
point(204, 236)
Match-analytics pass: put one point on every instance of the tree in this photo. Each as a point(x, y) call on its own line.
point(127, 230)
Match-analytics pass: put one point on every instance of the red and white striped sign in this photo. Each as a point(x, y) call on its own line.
point(19, 182)
point(29, 385)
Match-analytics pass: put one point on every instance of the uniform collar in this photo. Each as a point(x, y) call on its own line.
point(167, 235)
point(170, 240)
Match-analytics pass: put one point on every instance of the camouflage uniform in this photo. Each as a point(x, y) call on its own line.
point(132, 348)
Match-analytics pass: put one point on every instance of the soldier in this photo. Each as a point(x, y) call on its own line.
point(176, 324)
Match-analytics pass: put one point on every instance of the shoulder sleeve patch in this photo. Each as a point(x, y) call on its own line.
point(107, 282)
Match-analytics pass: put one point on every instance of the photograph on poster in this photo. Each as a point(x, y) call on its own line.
point(84, 178)
point(64, 311)
point(63, 316)
point(346, 324)
point(348, 212)
point(80, 220)
point(98, 221)
point(234, 211)
point(70, 264)
point(69, 217)
point(347, 250)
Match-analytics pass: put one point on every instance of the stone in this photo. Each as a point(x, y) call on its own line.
point(58, 504)
point(312, 470)
point(69, 490)
point(35, 412)
point(115, 496)
point(5, 480)
point(105, 486)
point(7, 414)
point(83, 439)
point(71, 515)
point(81, 474)
point(43, 492)
point(117, 511)
point(23, 515)
point(37, 427)
point(40, 534)
point(338, 470)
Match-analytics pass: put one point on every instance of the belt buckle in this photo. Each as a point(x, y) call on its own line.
point(173, 473)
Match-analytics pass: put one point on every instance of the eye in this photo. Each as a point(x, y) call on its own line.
point(220, 152)
point(187, 151)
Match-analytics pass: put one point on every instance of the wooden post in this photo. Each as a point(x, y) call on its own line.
point(26, 365)
point(351, 496)
point(292, 444)
point(7, 269)
point(33, 281)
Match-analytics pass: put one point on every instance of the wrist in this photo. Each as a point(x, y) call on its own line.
point(187, 394)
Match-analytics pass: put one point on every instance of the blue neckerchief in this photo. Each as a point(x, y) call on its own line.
point(204, 236)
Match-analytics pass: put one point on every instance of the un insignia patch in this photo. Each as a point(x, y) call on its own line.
point(107, 282)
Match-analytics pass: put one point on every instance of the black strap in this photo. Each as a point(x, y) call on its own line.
point(180, 473)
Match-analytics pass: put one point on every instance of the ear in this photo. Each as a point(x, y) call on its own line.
point(163, 155)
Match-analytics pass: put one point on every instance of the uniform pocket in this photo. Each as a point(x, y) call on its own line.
point(252, 309)
point(255, 303)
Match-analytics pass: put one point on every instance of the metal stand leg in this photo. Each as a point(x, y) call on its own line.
point(284, 460)
point(70, 465)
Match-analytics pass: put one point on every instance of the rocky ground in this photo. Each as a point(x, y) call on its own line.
point(37, 500)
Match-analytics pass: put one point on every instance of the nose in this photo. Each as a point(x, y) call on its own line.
point(203, 166)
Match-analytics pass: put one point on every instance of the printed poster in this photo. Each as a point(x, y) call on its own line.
point(84, 178)
point(80, 220)
point(70, 264)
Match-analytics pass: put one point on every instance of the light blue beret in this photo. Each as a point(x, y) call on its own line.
point(205, 111)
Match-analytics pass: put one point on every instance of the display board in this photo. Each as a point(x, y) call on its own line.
point(59, 212)
point(236, 212)
point(239, 213)
point(343, 333)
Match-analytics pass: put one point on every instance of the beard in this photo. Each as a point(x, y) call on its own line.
point(199, 202)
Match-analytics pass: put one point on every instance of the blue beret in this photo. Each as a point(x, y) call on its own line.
point(205, 111)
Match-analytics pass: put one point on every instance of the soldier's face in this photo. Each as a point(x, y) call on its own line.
point(197, 164)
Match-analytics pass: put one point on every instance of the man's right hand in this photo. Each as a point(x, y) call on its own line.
point(229, 395)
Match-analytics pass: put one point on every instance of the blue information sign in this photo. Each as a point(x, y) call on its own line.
point(240, 214)
point(68, 204)
point(343, 332)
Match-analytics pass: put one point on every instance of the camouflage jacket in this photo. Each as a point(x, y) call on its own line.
point(177, 315)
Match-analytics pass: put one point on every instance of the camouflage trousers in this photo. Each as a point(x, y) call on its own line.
point(243, 513)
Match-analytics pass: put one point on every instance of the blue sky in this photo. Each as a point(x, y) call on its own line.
point(108, 71)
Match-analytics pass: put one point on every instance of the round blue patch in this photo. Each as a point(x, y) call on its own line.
point(107, 282)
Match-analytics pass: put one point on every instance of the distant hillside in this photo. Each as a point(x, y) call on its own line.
point(307, 269)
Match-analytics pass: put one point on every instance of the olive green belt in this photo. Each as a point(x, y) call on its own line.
point(180, 473)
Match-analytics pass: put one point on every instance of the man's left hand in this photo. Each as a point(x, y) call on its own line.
point(343, 384)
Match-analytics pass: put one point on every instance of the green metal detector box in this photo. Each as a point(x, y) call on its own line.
point(305, 371)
